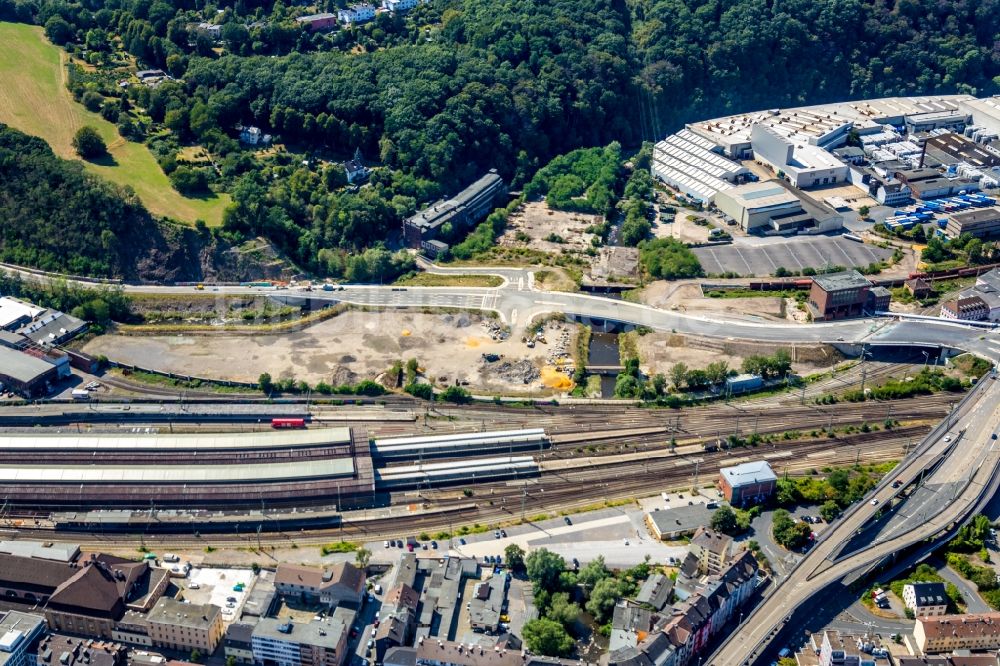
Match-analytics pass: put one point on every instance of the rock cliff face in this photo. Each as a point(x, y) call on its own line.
point(54, 216)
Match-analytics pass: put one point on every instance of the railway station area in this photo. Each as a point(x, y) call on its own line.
point(120, 480)
point(474, 443)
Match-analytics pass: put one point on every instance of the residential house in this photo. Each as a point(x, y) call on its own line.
point(399, 618)
point(399, 5)
point(656, 591)
point(631, 623)
point(214, 31)
point(682, 632)
point(342, 584)
point(359, 13)
point(254, 136)
point(969, 308)
point(355, 168)
point(487, 602)
point(238, 642)
point(926, 598)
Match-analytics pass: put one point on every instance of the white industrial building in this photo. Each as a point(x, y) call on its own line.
point(805, 165)
point(828, 125)
point(688, 162)
point(985, 112)
point(771, 207)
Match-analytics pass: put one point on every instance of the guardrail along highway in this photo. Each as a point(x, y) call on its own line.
point(945, 480)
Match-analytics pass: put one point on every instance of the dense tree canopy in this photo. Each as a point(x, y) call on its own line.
point(55, 216)
point(462, 86)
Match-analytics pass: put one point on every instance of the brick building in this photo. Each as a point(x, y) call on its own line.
point(749, 483)
point(839, 295)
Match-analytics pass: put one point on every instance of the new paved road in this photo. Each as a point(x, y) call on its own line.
point(517, 303)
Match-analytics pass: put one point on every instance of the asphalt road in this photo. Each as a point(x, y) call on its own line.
point(965, 475)
point(517, 303)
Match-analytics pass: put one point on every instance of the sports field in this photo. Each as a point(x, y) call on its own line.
point(34, 99)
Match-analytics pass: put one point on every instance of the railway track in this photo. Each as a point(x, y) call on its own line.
point(567, 490)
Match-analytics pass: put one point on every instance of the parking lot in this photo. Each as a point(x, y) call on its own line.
point(218, 586)
point(748, 259)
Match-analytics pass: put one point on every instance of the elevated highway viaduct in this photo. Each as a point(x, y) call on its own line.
point(948, 477)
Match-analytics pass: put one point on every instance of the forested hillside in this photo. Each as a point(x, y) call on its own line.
point(56, 217)
point(461, 86)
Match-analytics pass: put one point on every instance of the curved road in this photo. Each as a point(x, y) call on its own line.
point(959, 485)
point(517, 302)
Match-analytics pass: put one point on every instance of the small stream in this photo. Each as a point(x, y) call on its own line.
point(604, 351)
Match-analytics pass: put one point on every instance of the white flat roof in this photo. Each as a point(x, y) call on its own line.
point(12, 309)
point(817, 120)
point(125, 442)
point(160, 474)
point(763, 194)
point(751, 472)
point(810, 157)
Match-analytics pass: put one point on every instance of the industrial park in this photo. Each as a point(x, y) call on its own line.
point(790, 458)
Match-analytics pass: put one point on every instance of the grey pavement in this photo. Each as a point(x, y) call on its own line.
point(792, 254)
point(970, 593)
point(518, 303)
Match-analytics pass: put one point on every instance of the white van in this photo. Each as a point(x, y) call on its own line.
point(170, 557)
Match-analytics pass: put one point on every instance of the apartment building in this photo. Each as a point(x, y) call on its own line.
point(957, 632)
point(179, 626)
point(927, 599)
point(277, 642)
point(712, 550)
point(340, 585)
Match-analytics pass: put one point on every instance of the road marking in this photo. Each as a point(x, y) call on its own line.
point(513, 316)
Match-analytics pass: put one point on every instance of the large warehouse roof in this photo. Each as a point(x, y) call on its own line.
point(762, 195)
point(810, 124)
point(686, 161)
point(163, 474)
point(161, 442)
point(22, 367)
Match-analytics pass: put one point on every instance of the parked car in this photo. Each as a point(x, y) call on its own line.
point(385, 544)
point(496, 534)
